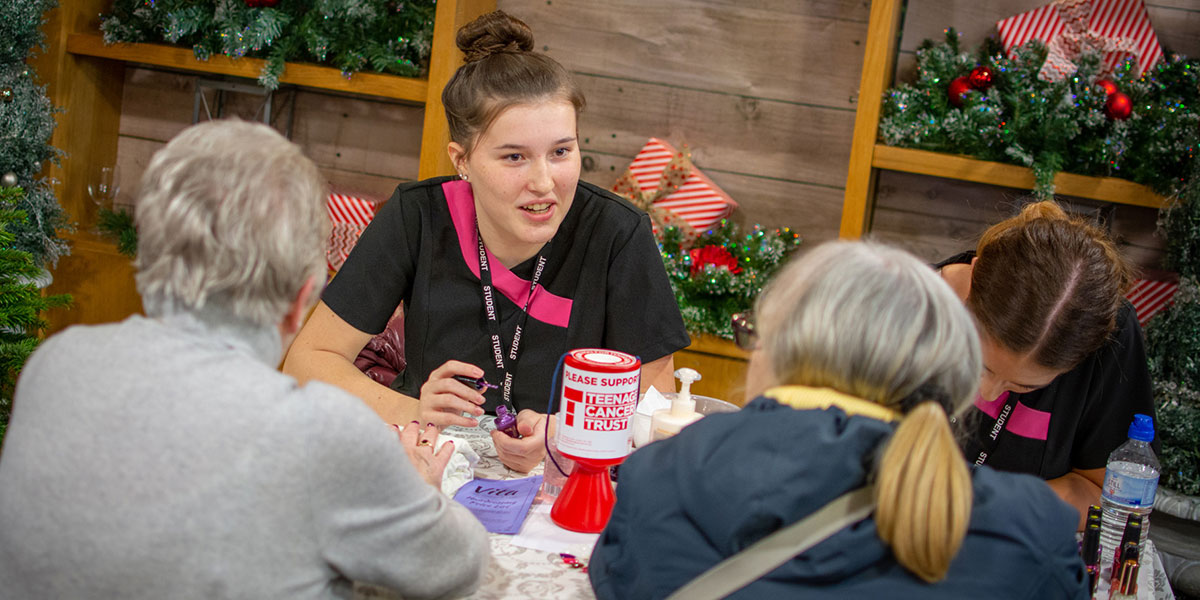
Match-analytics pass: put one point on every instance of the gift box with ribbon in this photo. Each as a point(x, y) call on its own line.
point(1150, 297)
point(1118, 28)
point(663, 182)
point(350, 216)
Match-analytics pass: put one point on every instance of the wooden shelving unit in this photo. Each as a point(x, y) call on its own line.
point(956, 166)
point(86, 78)
point(867, 156)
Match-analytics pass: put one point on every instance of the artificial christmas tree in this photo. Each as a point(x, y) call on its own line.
point(30, 215)
point(26, 122)
point(21, 301)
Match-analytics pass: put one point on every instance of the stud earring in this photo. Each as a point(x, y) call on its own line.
point(462, 176)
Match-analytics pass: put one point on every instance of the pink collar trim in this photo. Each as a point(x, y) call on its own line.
point(1024, 421)
point(546, 307)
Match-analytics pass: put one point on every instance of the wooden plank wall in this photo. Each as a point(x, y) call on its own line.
point(767, 118)
point(364, 146)
point(762, 91)
point(936, 217)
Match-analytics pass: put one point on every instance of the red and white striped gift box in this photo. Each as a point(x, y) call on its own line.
point(350, 216)
point(1119, 28)
point(1149, 297)
point(698, 201)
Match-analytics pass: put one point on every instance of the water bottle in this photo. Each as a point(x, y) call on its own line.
point(1130, 481)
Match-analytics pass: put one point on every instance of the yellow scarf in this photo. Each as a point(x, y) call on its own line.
point(809, 398)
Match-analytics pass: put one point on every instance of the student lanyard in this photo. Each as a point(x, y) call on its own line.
point(993, 436)
point(493, 318)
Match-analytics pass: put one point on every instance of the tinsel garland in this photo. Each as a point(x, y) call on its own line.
point(1050, 126)
point(20, 28)
point(26, 123)
point(708, 290)
point(386, 36)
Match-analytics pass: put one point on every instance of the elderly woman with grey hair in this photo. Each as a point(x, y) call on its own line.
point(864, 352)
point(165, 457)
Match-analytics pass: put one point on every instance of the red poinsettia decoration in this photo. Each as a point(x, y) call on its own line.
point(713, 255)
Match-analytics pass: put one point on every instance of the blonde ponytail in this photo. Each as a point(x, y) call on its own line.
point(923, 493)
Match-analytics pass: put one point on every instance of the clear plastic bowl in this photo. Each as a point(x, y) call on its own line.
point(707, 406)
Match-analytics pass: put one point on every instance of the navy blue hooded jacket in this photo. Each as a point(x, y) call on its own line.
point(725, 482)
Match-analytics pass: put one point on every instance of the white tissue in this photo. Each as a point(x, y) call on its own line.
point(461, 467)
point(652, 401)
point(540, 532)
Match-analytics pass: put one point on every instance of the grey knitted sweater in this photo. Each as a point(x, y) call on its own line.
point(167, 458)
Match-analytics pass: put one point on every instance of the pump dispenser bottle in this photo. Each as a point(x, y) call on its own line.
point(668, 421)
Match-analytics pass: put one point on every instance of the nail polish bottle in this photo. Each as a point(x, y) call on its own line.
point(506, 421)
point(1124, 580)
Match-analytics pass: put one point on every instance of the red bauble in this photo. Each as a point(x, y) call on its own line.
point(981, 78)
point(1119, 106)
point(1110, 88)
point(261, 3)
point(958, 89)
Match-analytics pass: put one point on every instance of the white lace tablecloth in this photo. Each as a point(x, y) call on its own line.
point(515, 573)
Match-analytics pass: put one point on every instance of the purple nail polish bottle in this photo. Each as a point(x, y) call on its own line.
point(506, 421)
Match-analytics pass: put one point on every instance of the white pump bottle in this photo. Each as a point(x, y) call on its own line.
point(668, 421)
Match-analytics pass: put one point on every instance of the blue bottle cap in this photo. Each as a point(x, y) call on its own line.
point(1142, 428)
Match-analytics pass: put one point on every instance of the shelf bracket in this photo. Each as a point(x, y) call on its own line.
point(220, 87)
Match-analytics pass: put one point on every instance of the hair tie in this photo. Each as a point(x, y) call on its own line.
point(484, 51)
point(926, 392)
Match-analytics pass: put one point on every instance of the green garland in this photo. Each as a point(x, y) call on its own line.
point(1050, 126)
point(118, 226)
point(722, 271)
point(385, 36)
point(1173, 346)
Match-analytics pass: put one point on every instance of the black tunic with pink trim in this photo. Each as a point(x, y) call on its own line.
point(603, 286)
point(1077, 420)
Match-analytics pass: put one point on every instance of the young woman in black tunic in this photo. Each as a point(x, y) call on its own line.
point(1064, 364)
point(501, 269)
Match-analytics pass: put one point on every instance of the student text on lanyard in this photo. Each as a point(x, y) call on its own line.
point(993, 438)
point(493, 318)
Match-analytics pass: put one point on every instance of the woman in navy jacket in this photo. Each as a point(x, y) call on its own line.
point(864, 353)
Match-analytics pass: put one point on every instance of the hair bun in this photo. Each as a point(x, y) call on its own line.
point(494, 33)
point(1045, 209)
